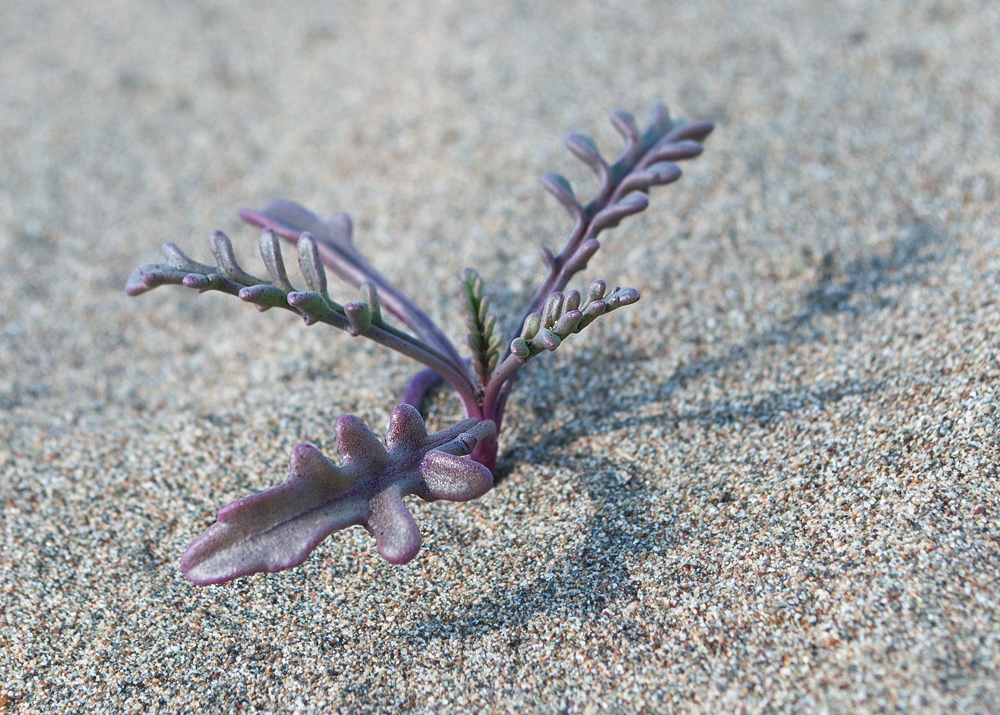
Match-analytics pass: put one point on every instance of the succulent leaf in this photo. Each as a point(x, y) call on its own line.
point(559, 187)
point(264, 296)
point(531, 326)
point(222, 249)
point(613, 214)
point(337, 250)
point(519, 348)
point(552, 309)
point(270, 253)
point(625, 124)
point(673, 151)
point(359, 318)
point(177, 259)
point(695, 131)
point(584, 148)
point(565, 315)
point(311, 265)
point(572, 300)
point(278, 528)
point(595, 291)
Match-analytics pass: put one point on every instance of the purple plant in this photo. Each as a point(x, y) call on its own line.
point(278, 528)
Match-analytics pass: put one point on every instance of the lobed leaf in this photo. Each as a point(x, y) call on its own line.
point(565, 315)
point(278, 528)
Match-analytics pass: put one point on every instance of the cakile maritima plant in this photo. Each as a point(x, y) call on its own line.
point(278, 528)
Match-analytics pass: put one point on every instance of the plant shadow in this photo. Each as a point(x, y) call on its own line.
point(597, 576)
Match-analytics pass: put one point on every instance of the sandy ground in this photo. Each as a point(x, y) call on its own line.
point(769, 487)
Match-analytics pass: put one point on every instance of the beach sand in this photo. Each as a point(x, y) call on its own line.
point(771, 486)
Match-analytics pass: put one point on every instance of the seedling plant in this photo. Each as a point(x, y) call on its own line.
point(277, 529)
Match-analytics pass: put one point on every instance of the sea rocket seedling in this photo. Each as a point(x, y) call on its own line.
point(278, 528)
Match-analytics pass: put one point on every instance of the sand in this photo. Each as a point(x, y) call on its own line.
point(771, 486)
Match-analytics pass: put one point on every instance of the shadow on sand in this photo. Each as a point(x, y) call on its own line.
point(596, 575)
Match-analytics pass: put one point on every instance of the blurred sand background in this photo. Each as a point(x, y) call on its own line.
point(769, 487)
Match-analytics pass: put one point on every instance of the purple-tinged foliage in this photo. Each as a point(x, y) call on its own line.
point(278, 528)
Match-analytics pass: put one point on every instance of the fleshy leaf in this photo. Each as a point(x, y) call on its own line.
point(625, 124)
point(613, 214)
point(673, 151)
point(313, 306)
point(565, 315)
point(335, 247)
point(454, 478)
point(657, 174)
point(396, 533)
point(278, 528)
point(584, 149)
point(695, 131)
point(559, 187)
